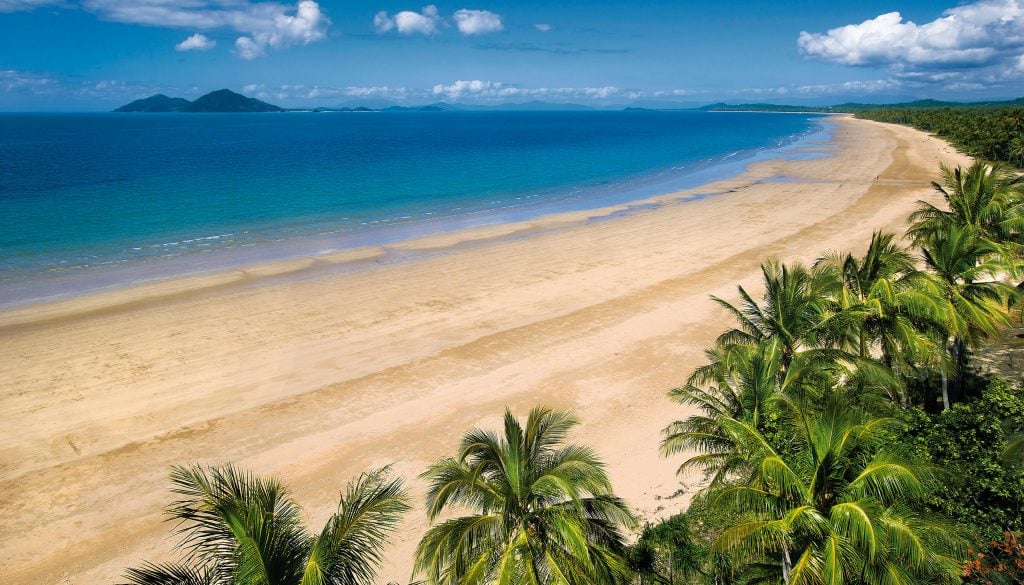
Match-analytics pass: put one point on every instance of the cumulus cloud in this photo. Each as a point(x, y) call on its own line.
point(470, 91)
point(477, 22)
point(196, 42)
point(407, 22)
point(262, 25)
point(248, 49)
point(463, 88)
point(308, 25)
point(382, 23)
point(480, 90)
point(542, 27)
point(977, 40)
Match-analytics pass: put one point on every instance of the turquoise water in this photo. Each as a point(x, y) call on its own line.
point(161, 194)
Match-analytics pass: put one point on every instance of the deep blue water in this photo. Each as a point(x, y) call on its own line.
point(82, 191)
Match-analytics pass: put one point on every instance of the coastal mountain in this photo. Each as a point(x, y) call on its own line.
point(225, 100)
point(222, 100)
point(855, 107)
point(156, 103)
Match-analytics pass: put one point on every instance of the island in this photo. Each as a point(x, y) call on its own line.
point(220, 101)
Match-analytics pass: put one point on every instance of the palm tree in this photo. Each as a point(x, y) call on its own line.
point(892, 305)
point(983, 196)
point(792, 310)
point(965, 267)
point(836, 507)
point(542, 512)
point(239, 529)
point(738, 383)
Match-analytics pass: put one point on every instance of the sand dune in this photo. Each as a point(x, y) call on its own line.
point(315, 374)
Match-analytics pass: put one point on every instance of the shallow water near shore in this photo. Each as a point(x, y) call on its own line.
point(104, 201)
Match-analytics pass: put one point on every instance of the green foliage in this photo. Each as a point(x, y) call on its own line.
point(969, 440)
point(239, 529)
point(667, 552)
point(541, 511)
point(1001, 563)
point(846, 505)
point(995, 134)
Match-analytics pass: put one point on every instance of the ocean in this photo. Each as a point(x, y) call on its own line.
point(94, 201)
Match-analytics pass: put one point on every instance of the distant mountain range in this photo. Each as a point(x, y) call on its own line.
point(225, 100)
point(854, 107)
point(222, 100)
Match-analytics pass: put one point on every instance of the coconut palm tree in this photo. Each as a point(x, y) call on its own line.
point(965, 267)
point(837, 507)
point(541, 511)
point(893, 305)
point(983, 196)
point(239, 529)
point(738, 383)
point(792, 310)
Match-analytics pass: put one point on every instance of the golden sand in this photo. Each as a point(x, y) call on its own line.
point(315, 379)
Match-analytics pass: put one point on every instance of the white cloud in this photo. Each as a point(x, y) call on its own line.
point(676, 93)
point(968, 38)
point(543, 27)
point(12, 81)
point(308, 25)
point(262, 25)
point(248, 49)
point(407, 22)
point(462, 88)
point(470, 91)
point(196, 42)
point(24, 5)
point(477, 22)
point(382, 23)
point(495, 91)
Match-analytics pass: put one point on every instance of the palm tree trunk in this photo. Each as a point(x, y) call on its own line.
point(945, 390)
point(945, 383)
point(959, 368)
point(787, 565)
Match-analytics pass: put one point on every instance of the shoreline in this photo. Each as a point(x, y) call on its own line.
point(315, 379)
point(329, 243)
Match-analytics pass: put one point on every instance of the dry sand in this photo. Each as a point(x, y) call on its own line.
point(314, 377)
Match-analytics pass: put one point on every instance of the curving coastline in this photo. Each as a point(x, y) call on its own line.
point(314, 378)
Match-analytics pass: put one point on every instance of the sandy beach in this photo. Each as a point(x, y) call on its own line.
point(315, 374)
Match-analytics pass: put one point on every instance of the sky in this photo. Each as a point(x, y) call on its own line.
point(98, 54)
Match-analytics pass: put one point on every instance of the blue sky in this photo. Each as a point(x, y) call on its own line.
point(96, 54)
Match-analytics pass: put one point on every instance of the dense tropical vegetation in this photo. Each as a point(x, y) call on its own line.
point(827, 454)
point(991, 133)
point(840, 431)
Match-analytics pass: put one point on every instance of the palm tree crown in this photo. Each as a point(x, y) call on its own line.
point(836, 507)
point(890, 306)
point(239, 529)
point(983, 196)
point(791, 310)
point(542, 511)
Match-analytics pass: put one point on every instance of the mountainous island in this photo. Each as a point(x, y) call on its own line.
point(221, 101)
